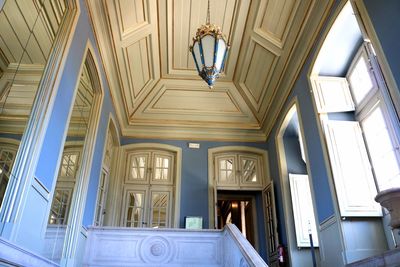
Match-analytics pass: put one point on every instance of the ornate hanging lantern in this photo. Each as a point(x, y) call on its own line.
point(209, 50)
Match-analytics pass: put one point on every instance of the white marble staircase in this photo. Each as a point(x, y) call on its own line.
point(109, 246)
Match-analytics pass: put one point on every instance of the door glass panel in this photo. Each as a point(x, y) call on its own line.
point(59, 207)
point(138, 167)
point(134, 213)
point(159, 209)
point(249, 171)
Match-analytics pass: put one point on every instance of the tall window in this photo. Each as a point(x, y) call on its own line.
point(65, 186)
point(362, 144)
point(373, 114)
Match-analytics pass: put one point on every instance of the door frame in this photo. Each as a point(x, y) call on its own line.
point(246, 196)
point(176, 187)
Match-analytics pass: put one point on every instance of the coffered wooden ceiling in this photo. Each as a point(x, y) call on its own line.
point(144, 45)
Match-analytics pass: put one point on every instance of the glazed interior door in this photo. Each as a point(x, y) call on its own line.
point(148, 207)
point(148, 189)
point(160, 209)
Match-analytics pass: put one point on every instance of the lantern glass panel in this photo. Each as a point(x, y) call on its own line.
point(220, 54)
point(208, 43)
point(196, 52)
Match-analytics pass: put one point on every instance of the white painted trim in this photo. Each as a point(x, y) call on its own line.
point(111, 127)
point(82, 182)
point(270, 187)
point(367, 28)
point(292, 107)
point(32, 139)
point(211, 185)
point(178, 170)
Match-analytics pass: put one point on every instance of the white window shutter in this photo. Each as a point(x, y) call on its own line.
point(353, 178)
point(332, 94)
point(303, 210)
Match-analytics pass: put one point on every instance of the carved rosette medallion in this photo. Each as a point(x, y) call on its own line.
point(156, 249)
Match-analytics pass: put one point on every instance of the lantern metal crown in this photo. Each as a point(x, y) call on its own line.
point(209, 50)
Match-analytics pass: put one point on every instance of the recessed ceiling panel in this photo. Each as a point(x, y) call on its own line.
point(190, 103)
point(132, 15)
point(261, 67)
point(275, 19)
point(135, 44)
point(205, 101)
point(138, 66)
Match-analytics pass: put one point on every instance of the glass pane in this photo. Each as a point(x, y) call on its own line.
point(159, 205)
point(59, 207)
point(68, 166)
point(138, 167)
point(161, 168)
point(134, 209)
point(360, 80)
point(249, 170)
point(226, 173)
point(381, 149)
point(208, 43)
point(220, 54)
point(6, 162)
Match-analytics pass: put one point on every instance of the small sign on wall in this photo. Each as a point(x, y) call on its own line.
point(193, 222)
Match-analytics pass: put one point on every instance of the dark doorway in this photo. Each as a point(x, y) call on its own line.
point(236, 208)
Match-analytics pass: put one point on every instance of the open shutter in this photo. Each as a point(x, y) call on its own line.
point(351, 169)
point(332, 94)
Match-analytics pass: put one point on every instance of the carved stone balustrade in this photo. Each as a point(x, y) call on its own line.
point(110, 246)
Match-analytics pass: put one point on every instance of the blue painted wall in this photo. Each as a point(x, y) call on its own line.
point(385, 19)
point(307, 116)
point(295, 163)
point(52, 144)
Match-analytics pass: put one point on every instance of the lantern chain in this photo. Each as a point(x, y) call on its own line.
point(208, 13)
